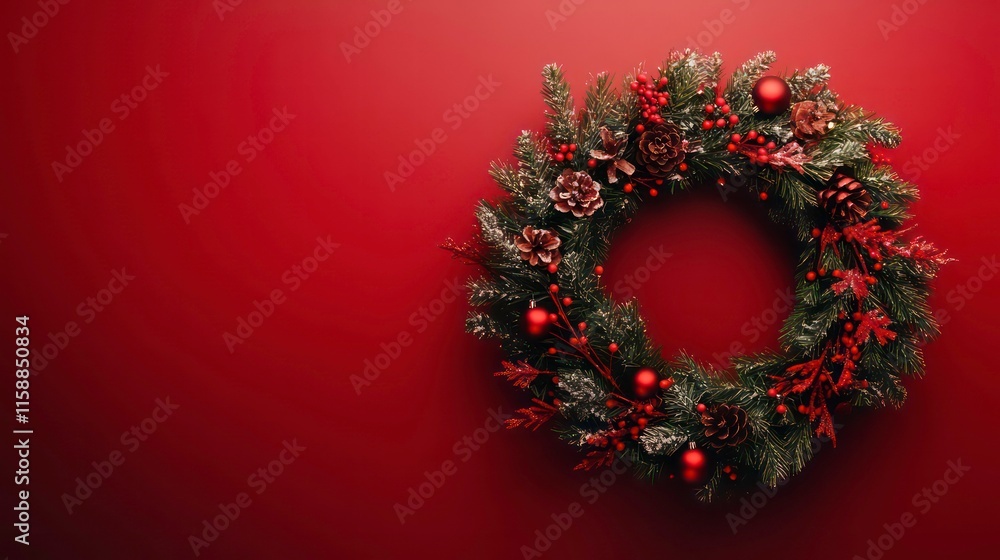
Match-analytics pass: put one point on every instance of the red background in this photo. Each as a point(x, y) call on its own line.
point(323, 175)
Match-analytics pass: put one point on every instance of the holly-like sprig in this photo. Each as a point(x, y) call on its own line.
point(860, 315)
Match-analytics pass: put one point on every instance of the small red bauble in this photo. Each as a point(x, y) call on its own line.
point(612, 347)
point(772, 393)
point(771, 95)
point(646, 381)
point(701, 407)
point(553, 268)
point(666, 384)
point(536, 321)
point(598, 270)
point(628, 187)
point(781, 409)
point(567, 301)
point(695, 466)
point(763, 196)
point(811, 276)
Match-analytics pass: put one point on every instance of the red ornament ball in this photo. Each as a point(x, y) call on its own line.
point(536, 321)
point(771, 95)
point(646, 381)
point(695, 466)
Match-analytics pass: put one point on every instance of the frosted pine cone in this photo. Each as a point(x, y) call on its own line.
point(844, 197)
point(576, 192)
point(725, 424)
point(538, 246)
point(661, 149)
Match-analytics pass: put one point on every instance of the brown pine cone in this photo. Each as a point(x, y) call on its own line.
point(844, 197)
point(725, 424)
point(810, 119)
point(576, 192)
point(661, 149)
point(538, 246)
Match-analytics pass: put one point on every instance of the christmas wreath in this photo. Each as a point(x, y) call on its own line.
point(860, 316)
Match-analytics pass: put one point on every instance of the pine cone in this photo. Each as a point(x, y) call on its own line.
point(810, 119)
point(576, 192)
point(661, 149)
point(844, 197)
point(725, 424)
point(538, 246)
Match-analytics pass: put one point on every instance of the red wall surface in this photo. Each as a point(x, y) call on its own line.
point(136, 277)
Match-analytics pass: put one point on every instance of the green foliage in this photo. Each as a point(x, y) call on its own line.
point(778, 445)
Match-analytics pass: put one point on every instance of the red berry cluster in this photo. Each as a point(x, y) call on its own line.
point(628, 426)
point(754, 145)
point(652, 96)
point(718, 115)
point(564, 153)
point(878, 158)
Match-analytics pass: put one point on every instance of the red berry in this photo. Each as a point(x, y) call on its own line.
point(640, 129)
point(552, 351)
point(763, 196)
point(653, 192)
point(628, 187)
point(663, 82)
point(666, 383)
point(815, 232)
point(598, 270)
point(725, 109)
point(811, 276)
point(553, 268)
point(763, 159)
point(761, 151)
point(612, 347)
point(634, 86)
point(735, 137)
point(848, 327)
point(554, 288)
point(620, 446)
point(701, 407)
point(733, 119)
point(572, 147)
point(772, 393)
point(781, 409)
point(884, 205)
point(642, 78)
point(661, 100)
point(709, 108)
point(560, 156)
point(683, 166)
point(567, 301)
point(707, 125)
point(648, 409)
point(642, 422)
point(569, 156)
point(878, 266)
point(731, 147)
point(591, 163)
point(720, 123)
point(803, 409)
point(563, 148)
point(761, 139)
point(751, 135)
point(553, 318)
point(857, 316)
point(720, 101)
point(582, 326)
